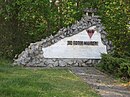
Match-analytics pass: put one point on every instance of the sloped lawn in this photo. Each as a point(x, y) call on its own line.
point(23, 82)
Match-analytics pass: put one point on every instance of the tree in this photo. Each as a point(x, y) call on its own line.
point(115, 16)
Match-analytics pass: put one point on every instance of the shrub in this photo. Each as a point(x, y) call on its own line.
point(116, 66)
point(124, 70)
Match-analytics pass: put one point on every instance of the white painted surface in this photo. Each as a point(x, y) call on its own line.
point(62, 50)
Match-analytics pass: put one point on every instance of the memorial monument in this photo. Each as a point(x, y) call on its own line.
point(78, 45)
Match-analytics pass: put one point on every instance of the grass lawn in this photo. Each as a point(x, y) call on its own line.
point(23, 82)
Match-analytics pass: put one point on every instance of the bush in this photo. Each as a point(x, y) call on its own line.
point(116, 66)
point(124, 70)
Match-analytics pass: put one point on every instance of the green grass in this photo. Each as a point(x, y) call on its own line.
point(25, 82)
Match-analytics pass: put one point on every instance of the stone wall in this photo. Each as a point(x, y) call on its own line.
point(33, 55)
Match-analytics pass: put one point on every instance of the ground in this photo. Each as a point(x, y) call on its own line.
point(104, 84)
point(58, 82)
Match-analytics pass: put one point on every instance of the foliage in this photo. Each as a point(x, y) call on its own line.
point(115, 17)
point(124, 69)
point(117, 66)
point(25, 21)
point(29, 82)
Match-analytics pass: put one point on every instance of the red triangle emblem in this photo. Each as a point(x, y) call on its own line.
point(90, 33)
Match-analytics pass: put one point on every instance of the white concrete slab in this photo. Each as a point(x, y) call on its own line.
point(62, 50)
